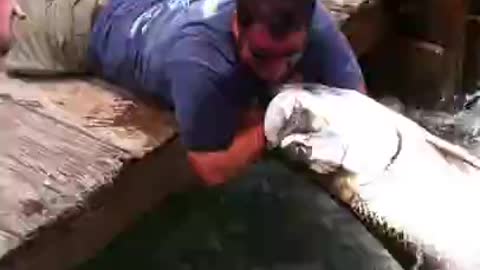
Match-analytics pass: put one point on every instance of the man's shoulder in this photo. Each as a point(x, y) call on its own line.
point(198, 35)
point(208, 69)
point(201, 51)
point(329, 58)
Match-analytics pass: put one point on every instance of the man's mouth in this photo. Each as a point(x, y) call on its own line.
point(285, 77)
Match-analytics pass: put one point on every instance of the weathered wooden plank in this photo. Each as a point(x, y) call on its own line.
point(65, 145)
point(104, 110)
point(139, 187)
point(46, 168)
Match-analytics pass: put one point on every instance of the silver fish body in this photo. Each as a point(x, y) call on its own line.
point(393, 171)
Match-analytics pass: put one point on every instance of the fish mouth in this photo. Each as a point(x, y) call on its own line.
point(298, 151)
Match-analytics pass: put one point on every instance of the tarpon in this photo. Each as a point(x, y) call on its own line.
point(394, 174)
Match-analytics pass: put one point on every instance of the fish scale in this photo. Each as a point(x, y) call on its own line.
point(397, 241)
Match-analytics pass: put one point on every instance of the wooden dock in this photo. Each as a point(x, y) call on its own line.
point(80, 160)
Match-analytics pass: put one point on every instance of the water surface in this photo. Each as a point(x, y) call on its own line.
point(271, 218)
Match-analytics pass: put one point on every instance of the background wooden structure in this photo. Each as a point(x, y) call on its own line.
point(423, 58)
point(472, 49)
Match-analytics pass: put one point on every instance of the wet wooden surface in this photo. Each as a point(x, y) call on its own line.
point(98, 108)
point(64, 142)
point(46, 167)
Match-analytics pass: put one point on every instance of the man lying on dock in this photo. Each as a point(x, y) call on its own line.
point(212, 61)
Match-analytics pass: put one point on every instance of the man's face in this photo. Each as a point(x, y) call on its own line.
point(271, 59)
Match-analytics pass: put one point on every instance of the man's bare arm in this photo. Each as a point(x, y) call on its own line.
point(247, 146)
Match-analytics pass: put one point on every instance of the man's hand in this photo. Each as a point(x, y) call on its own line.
point(247, 146)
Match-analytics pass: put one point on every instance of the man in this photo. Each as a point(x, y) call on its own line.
point(214, 61)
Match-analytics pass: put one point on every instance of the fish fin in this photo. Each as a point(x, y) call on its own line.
point(341, 184)
point(346, 187)
point(445, 147)
point(451, 149)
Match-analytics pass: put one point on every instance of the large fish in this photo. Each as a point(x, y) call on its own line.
point(393, 173)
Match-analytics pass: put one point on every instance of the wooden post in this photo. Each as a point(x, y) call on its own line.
point(450, 27)
point(430, 52)
point(471, 80)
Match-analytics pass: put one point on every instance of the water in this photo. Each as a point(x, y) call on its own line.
point(271, 218)
point(460, 127)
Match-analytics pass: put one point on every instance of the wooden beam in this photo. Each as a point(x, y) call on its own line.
point(471, 66)
point(366, 27)
point(364, 23)
point(428, 79)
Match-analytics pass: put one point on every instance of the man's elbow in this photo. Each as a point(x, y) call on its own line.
point(209, 167)
point(247, 147)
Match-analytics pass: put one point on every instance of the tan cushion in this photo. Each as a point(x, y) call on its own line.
point(53, 39)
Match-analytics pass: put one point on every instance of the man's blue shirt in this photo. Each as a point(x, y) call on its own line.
point(183, 53)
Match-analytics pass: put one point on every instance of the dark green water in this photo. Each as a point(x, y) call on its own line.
point(270, 218)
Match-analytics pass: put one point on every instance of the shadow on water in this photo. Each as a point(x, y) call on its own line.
point(270, 218)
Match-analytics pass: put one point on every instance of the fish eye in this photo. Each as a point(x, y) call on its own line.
point(301, 149)
point(298, 151)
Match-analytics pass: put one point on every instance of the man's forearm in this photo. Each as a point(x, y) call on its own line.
point(217, 167)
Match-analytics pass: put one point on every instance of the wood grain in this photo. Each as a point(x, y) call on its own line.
point(63, 144)
point(46, 168)
point(99, 108)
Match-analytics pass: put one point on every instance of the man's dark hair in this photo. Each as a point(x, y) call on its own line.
point(280, 16)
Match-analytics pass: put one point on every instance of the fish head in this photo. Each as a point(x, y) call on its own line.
point(296, 124)
point(331, 128)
